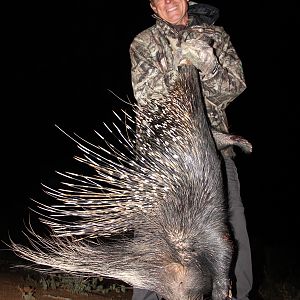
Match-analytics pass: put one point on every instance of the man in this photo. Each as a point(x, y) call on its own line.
point(184, 33)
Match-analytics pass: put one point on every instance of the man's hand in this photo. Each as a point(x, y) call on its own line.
point(196, 52)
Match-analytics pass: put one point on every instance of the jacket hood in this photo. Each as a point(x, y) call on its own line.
point(203, 13)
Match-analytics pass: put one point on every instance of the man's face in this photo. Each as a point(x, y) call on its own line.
point(172, 11)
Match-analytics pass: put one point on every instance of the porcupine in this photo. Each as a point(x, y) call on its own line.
point(169, 191)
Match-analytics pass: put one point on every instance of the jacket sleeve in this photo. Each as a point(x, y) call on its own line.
point(227, 82)
point(149, 72)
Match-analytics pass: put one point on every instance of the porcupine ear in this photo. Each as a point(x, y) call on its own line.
point(175, 271)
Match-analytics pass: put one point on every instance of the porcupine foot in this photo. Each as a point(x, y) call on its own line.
point(224, 140)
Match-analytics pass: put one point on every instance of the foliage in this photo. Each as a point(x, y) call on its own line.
point(77, 285)
point(281, 277)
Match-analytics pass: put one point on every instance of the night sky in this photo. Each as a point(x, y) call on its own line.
point(63, 57)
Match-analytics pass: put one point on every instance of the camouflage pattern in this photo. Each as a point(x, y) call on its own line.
point(153, 67)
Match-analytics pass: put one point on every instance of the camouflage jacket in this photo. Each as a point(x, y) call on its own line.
point(153, 64)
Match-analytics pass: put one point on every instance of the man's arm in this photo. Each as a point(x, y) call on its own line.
point(210, 50)
point(150, 74)
point(228, 82)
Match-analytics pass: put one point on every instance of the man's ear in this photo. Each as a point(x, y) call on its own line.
point(153, 7)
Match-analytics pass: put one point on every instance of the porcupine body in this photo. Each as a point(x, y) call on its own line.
point(168, 189)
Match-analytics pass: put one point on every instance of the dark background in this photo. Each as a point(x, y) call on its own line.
point(63, 57)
